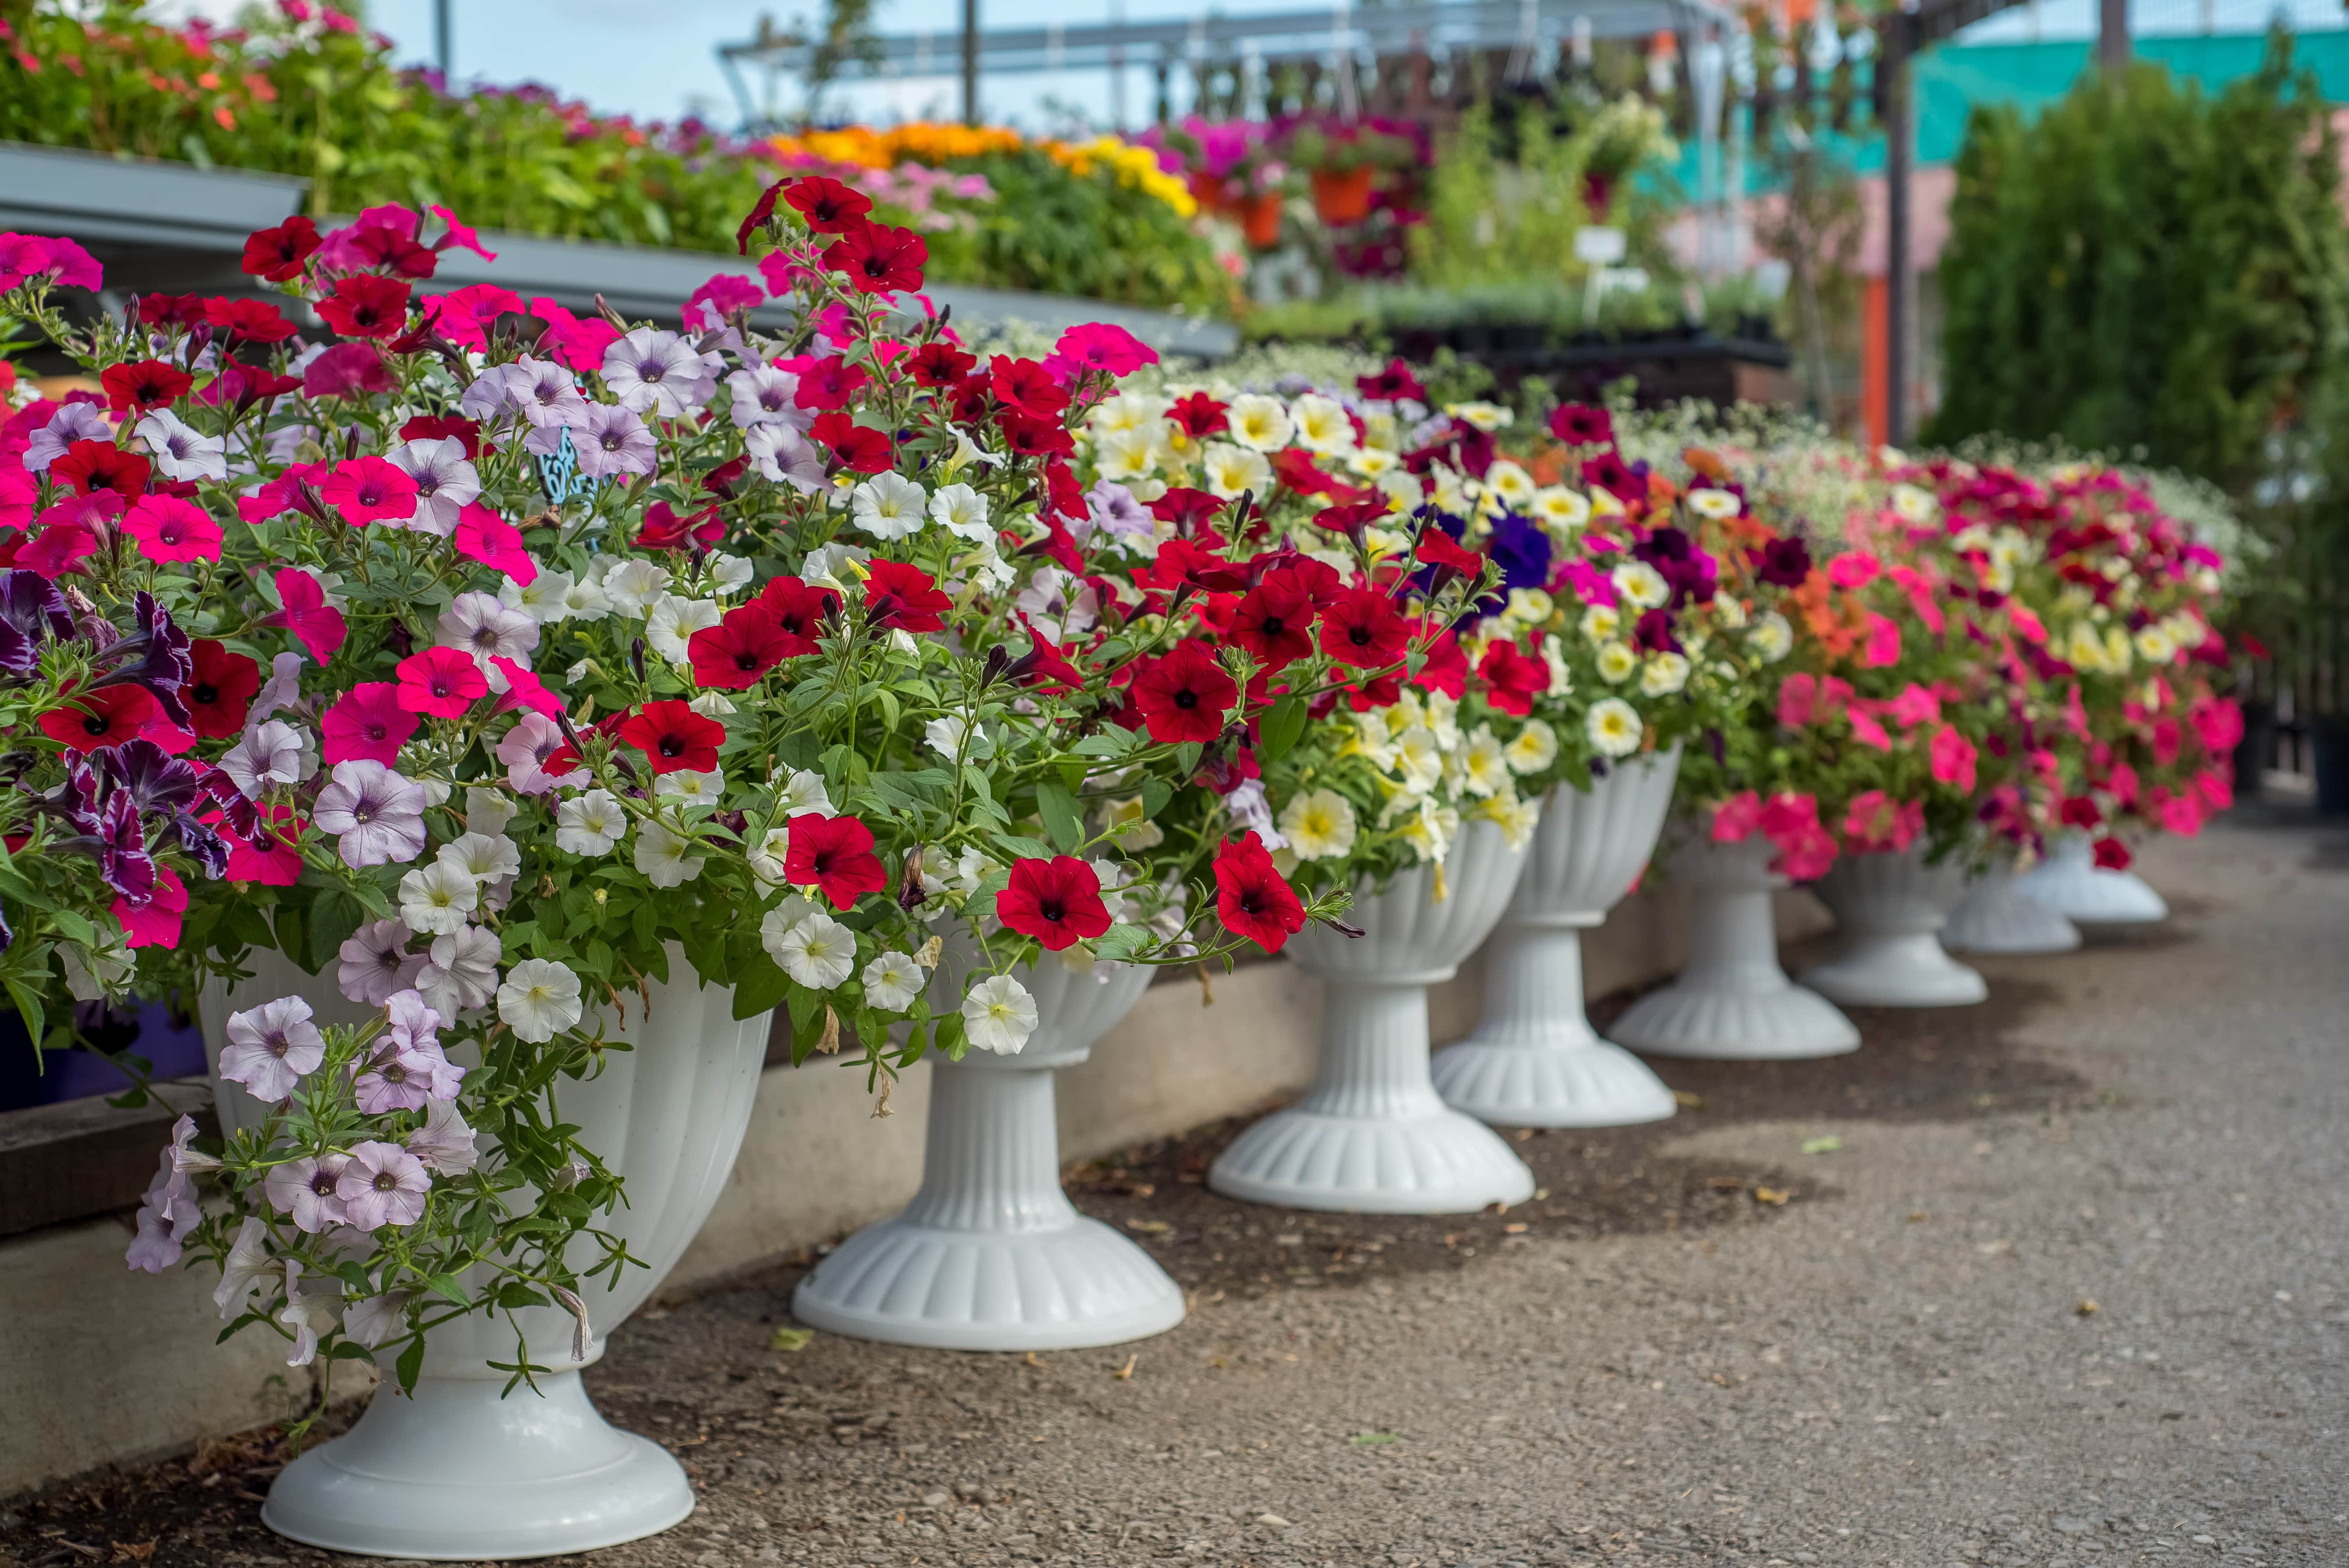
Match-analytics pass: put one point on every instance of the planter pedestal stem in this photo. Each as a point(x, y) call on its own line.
point(990, 1255)
point(1733, 1002)
point(1890, 907)
point(2070, 883)
point(1998, 916)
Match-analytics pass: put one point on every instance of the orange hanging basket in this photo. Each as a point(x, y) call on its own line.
point(1342, 196)
point(1260, 219)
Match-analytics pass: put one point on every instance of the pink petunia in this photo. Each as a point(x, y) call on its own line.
point(370, 490)
point(367, 722)
point(169, 528)
point(484, 536)
point(346, 370)
point(1865, 729)
point(154, 923)
point(1853, 569)
point(2217, 785)
point(2219, 722)
point(1735, 818)
point(1883, 646)
point(1915, 706)
point(466, 313)
point(525, 689)
point(442, 682)
point(1953, 758)
point(304, 611)
point(709, 306)
point(1097, 345)
point(1875, 820)
point(1798, 697)
point(272, 857)
point(2181, 813)
point(460, 236)
point(576, 343)
point(57, 548)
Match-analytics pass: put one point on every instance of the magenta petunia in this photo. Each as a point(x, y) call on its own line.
point(1097, 345)
point(370, 490)
point(484, 536)
point(304, 611)
point(367, 722)
point(154, 922)
point(525, 689)
point(169, 528)
point(442, 682)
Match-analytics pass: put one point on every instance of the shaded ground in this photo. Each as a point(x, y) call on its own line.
point(2062, 1287)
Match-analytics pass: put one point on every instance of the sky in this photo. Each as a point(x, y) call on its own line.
point(658, 61)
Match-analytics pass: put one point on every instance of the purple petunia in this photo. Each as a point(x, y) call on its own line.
point(375, 815)
point(382, 1184)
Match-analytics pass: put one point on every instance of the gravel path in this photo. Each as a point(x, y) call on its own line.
point(2068, 1293)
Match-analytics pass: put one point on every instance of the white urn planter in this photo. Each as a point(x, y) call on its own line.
point(1998, 916)
point(1890, 907)
point(2070, 883)
point(1534, 1060)
point(1733, 1002)
point(456, 1471)
point(1371, 1135)
point(990, 1255)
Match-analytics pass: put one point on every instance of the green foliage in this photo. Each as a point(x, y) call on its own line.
point(2145, 268)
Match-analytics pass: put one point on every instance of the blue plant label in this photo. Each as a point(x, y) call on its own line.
point(559, 475)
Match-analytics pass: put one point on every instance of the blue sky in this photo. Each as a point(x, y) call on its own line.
point(655, 61)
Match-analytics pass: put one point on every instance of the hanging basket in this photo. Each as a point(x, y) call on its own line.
point(1342, 196)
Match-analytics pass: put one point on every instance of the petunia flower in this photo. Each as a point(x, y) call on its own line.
point(271, 1048)
point(169, 530)
point(444, 1144)
point(815, 950)
point(672, 736)
point(999, 1015)
point(892, 982)
point(1057, 901)
point(524, 751)
point(303, 1189)
point(74, 422)
point(245, 1270)
point(441, 682)
point(368, 721)
point(436, 900)
point(834, 854)
point(539, 999)
point(303, 609)
point(666, 858)
point(765, 394)
point(179, 451)
point(1252, 898)
point(1185, 695)
point(382, 1184)
point(614, 440)
point(653, 371)
point(375, 815)
point(482, 627)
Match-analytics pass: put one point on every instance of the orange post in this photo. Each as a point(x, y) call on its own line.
point(1875, 361)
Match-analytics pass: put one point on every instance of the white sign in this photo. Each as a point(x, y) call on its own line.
point(1597, 246)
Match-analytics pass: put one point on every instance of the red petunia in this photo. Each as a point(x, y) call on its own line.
point(368, 721)
point(145, 386)
point(938, 363)
point(1057, 901)
point(441, 427)
point(735, 654)
point(169, 530)
point(859, 447)
point(1252, 898)
point(169, 310)
point(221, 690)
point(879, 258)
point(442, 682)
point(834, 855)
point(1024, 435)
point(100, 718)
point(1200, 416)
point(1439, 549)
point(1026, 385)
point(1185, 695)
point(1275, 621)
point(273, 856)
point(666, 528)
point(831, 383)
point(1188, 510)
point(674, 738)
point(762, 211)
point(902, 598)
point(1364, 629)
point(1513, 678)
point(829, 206)
point(799, 610)
point(1045, 666)
point(248, 320)
point(365, 307)
point(277, 254)
point(1394, 383)
point(90, 467)
point(2111, 854)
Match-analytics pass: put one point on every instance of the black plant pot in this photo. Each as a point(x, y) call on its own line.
point(2255, 753)
point(2328, 738)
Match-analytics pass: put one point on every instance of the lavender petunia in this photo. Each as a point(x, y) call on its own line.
point(444, 1143)
point(271, 1048)
point(543, 393)
point(383, 1184)
point(375, 815)
point(445, 482)
point(786, 456)
point(74, 422)
point(304, 1190)
point(657, 372)
point(181, 450)
point(764, 395)
point(1112, 507)
point(268, 757)
point(376, 963)
point(462, 972)
point(614, 441)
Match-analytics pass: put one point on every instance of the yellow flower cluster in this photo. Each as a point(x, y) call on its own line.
point(934, 142)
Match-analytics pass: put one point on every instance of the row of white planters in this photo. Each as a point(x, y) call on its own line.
point(990, 1255)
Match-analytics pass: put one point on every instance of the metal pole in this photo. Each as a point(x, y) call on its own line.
point(2112, 34)
point(443, 42)
point(970, 62)
point(1117, 70)
point(1899, 136)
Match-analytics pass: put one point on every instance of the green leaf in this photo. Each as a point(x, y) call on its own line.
point(1122, 942)
point(410, 1365)
point(793, 1339)
point(28, 1007)
point(759, 985)
point(1156, 793)
point(447, 1285)
point(1281, 729)
point(1062, 819)
point(1110, 741)
point(1187, 757)
point(1021, 848)
point(335, 915)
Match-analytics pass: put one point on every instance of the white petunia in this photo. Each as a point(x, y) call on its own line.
point(1602, 623)
point(1319, 825)
point(690, 788)
point(814, 950)
point(673, 622)
point(1259, 423)
point(434, 900)
point(463, 971)
point(1227, 471)
point(635, 585)
point(802, 792)
point(961, 511)
point(179, 452)
point(1617, 663)
point(889, 506)
point(585, 600)
point(1715, 505)
point(893, 981)
point(1663, 674)
point(999, 1015)
point(484, 857)
point(667, 858)
point(1535, 748)
point(540, 999)
point(1640, 585)
point(591, 823)
point(1484, 765)
point(1772, 638)
point(729, 575)
point(1560, 508)
point(1613, 727)
point(1322, 425)
point(767, 856)
point(950, 736)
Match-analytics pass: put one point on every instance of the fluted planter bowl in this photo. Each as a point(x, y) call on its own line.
point(1534, 1060)
point(1997, 915)
point(1890, 907)
point(1733, 1002)
point(456, 1471)
point(1371, 1135)
point(2070, 883)
point(990, 1255)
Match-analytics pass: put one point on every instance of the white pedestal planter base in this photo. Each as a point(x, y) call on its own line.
point(1371, 1137)
point(2070, 883)
point(990, 1255)
point(1534, 1059)
point(1889, 908)
point(1998, 916)
point(1733, 1003)
point(457, 1473)
point(1541, 1064)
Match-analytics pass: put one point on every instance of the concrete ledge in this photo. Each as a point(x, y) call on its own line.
point(99, 1364)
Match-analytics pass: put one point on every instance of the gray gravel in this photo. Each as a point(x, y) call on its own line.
point(2102, 1328)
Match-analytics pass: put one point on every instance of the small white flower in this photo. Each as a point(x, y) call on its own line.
point(1640, 585)
point(1227, 471)
point(673, 622)
point(1663, 674)
point(1602, 623)
point(434, 900)
point(893, 981)
point(961, 511)
point(1322, 425)
point(999, 1015)
point(1486, 416)
point(814, 950)
point(1715, 505)
point(729, 575)
point(1560, 508)
point(1518, 818)
point(179, 452)
point(463, 971)
point(1258, 423)
point(484, 857)
point(1320, 825)
point(889, 506)
point(1617, 663)
point(546, 598)
point(1484, 765)
point(803, 792)
point(1613, 727)
point(635, 585)
point(948, 736)
point(1772, 638)
point(1535, 748)
point(540, 999)
point(690, 788)
point(591, 823)
point(767, 855)
point(666, 858)
point(586, 599)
